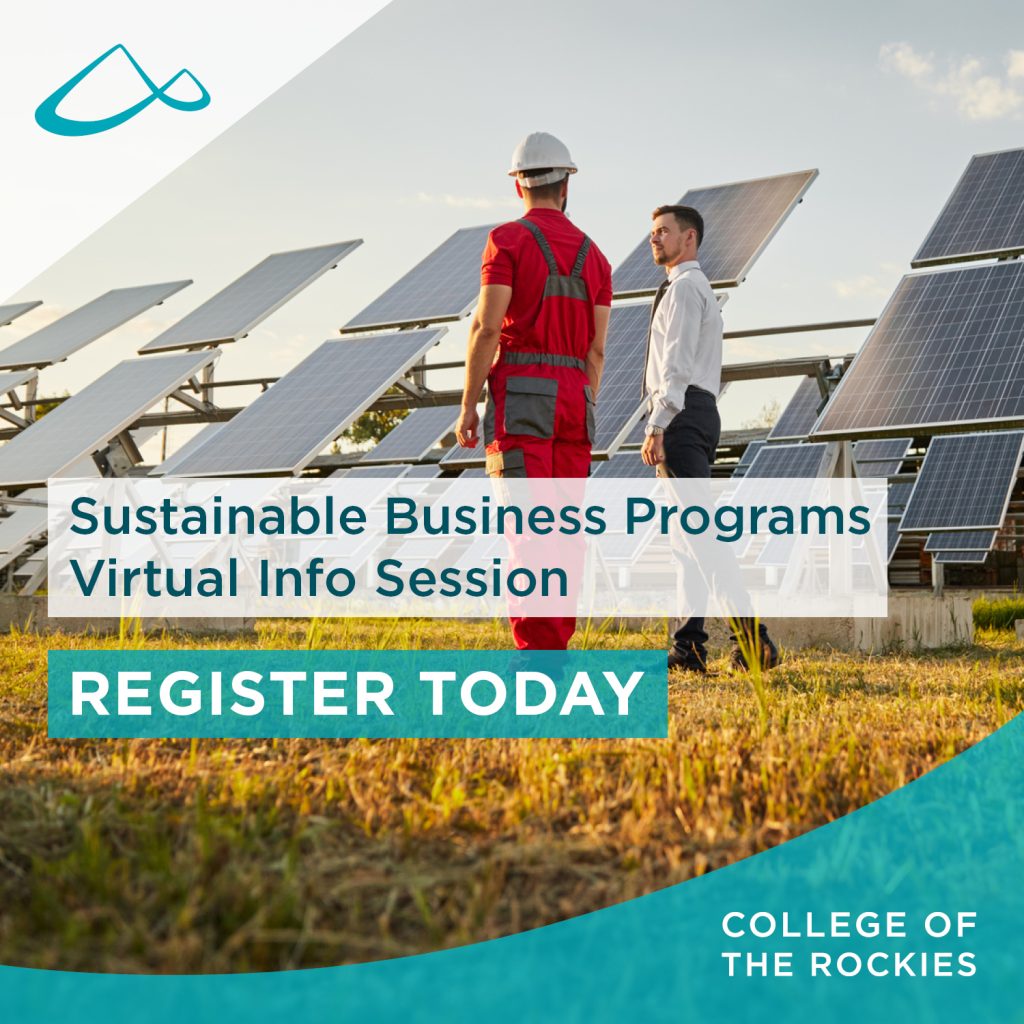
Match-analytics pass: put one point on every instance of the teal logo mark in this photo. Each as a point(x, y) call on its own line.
point(48, 118)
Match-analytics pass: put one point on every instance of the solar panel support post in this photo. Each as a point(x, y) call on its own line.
point(205, 382)
point(120, 457)
point(845, 468)
point(35, 581)
point(412, 387)
point(13, 418)
point(199, 405)
point(938, 577)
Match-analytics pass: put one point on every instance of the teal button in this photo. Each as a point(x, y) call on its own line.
point(342, 694)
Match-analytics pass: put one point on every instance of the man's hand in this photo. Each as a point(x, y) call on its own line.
point(653, 450)
point(467, 427)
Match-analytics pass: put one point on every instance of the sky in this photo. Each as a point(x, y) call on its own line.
point(402, 133)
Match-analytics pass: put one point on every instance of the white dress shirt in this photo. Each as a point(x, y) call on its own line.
point(685, 344)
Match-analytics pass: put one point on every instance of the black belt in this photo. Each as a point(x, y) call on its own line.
point(542, 359)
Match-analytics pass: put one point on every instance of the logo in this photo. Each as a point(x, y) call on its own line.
point(48, 118)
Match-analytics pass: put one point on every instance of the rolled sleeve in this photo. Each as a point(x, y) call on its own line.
point(497, 265)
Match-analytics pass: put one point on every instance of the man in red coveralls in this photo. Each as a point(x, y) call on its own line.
point(537, 339)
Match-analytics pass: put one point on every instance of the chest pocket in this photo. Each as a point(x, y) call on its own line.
point(530, 405)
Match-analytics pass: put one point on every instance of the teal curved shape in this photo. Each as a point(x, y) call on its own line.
point(951, 841)
point(48, 118)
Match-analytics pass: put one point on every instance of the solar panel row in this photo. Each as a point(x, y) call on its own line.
point(800, 413)
point(83, 325)
point(961, 557)
point(235, 310)
point(412, 438)
point(91, 418)
point(284, 428)
point(880, 458)
point(740, 219)
point(10, 312)
point(619, 402)
point(749, 453)
point(791, 461)
point(964, 482)
point(947, 351)
point(984, 216)
point(961, 540)
point(15, 379)
point(441, 287)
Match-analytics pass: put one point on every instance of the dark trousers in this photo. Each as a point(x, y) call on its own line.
point(691, 441)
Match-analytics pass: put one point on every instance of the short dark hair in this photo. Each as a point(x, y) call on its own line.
point(545, 192)
point(686, 217)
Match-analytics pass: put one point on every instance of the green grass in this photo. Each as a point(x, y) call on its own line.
point(179, 856)
point(998, 613)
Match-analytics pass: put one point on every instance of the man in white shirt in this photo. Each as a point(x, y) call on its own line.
point(682, 379)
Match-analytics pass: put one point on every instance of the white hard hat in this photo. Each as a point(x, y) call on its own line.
point(541, 151)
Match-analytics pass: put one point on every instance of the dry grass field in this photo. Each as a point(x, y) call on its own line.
point(171, 856)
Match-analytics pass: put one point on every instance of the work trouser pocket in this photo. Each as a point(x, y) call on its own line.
point(510, 464)
point(588, 394)
point(530, 406)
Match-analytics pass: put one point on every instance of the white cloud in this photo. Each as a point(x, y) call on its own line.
point(466, 202)
point(902, 58)
point(864, 285)
point(976, 95)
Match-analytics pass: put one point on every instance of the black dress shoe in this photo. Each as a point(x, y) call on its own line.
point(769, 653)
point(689, 662)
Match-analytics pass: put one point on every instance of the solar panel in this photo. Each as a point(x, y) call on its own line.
point(638, 434)
point(880, 458)
point(423, 472)
point(899, 495)
point(619, 402)
point(76, 329)
point(960, 557)
point(375, 472)
point(740, 219)
point(623, 464)
point(24, 524)
point(984, 217)
point(800, 414)
point(235, 310)
point(410, 440)
point(626, 547)
point(171, 463)
point(948, 350)
point(791, 461)
point(86, 467)
point(424, 550)
point(284, 428)
point(473, 473)
point(10, 381)
point(893, 537)
point(961, 540)
point(747, 457)
point(11, 312)
point(442, 286)
point(91, 418)
point(965, 482)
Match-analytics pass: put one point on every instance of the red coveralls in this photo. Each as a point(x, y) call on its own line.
point(539, 420)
